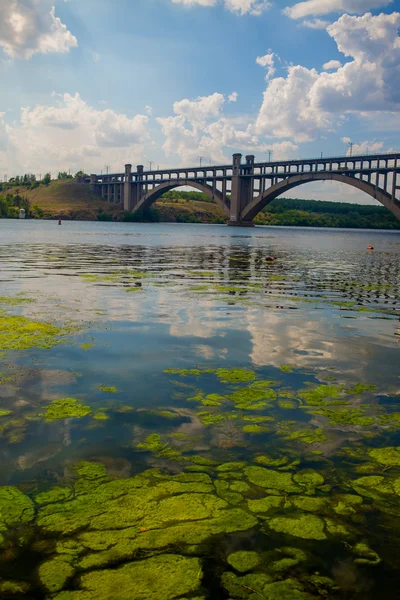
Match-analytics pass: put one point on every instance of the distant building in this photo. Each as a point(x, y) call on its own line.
point(22, 213)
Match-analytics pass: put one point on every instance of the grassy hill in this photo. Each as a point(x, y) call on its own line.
point(67, 199)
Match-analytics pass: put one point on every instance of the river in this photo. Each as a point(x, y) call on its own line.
point(181, 417)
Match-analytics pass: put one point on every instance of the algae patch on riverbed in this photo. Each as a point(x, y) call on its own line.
point(102, 538)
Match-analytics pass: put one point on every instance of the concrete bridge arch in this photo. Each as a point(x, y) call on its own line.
point(263, 199)
point(148, 199)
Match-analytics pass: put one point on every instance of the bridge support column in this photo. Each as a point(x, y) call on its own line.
point(242, 190)
point(128, 188)
point(93, 180)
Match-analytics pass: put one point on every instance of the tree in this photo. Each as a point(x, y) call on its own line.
point(80, 174)
point(46, 179)
point(63, 175)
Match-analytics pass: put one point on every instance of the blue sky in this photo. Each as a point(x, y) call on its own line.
point(89, 83)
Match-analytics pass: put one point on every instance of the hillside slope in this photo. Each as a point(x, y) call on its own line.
point(68, 199)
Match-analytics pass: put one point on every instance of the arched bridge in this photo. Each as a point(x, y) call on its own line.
point(242, 190)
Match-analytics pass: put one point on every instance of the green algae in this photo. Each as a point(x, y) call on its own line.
point(183, 372)
point(224, 491)
point(208, 418)
point(308, 527)
point(230, 466)
point(374, 487)
point(4, 412)
point(389, 456)
point(54, 573)
point(287, 368)
point(309, 479)
point(15, 300)
point(337, 528)
point(66, 408)
point(264, 505)
point(252, 399)
point(258, 419)
point(208, 400)
point(347, 504)
point(287, 404)
point(255, 429)
point(345, 416)
point(100, 415)
point(234, 375)
point(309, 503)
point(307, 436)
point(273, 480)
point(360, 388)
point(239, 486)
point(20, 333)
point(268, 461)
point(365, 556)
point(87, 346)
point(244, 561)
point(90, 470)
point(318, 395)
point(56, 494)
point(109, 389)
point(202, 273)
point(8, 587)
point(256, 586)
point(15, 509)
point(130, 290)
point(167, 577)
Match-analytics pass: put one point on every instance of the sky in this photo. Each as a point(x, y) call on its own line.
point(95, 84)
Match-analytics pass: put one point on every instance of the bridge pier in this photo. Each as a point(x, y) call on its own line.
point(241, 190)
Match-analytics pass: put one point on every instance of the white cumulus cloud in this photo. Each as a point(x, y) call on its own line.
point(332, 64)
point(30, 26)
point(240, 7)
point(268, 62)
point(315, 23)
point(307, 102)
point(201, 129)
point(71, 133)
point(233, 97)
point(300, 10)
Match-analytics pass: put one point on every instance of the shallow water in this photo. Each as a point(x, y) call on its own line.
point(148, 314)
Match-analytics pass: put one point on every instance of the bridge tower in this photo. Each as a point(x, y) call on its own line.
point(241, 190)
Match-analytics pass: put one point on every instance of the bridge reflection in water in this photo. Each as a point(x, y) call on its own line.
point(242, 190)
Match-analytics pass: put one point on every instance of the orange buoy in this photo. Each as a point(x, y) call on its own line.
point(370, 248)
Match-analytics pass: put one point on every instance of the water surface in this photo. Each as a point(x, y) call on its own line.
point(149, 315)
